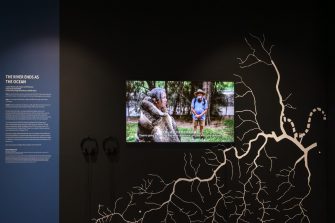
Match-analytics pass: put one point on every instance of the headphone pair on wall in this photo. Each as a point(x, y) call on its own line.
point(90, 148)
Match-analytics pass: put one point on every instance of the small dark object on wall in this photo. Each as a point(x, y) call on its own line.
point(111, 148)
point(89, 148)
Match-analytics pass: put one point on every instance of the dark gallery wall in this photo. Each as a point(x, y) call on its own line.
point(331, 110)
point(103, 47)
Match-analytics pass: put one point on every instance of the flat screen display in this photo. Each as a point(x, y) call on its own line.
point(179, 111)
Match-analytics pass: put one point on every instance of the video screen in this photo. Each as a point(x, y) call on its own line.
point(179, 111)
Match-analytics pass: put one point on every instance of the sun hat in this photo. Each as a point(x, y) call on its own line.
point(199, 91)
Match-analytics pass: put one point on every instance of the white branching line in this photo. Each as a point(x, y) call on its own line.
point(254, 109)
point(229, 204)
point(244, 63)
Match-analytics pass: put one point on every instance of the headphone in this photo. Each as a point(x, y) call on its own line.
point(89, 148)
point(111, 146)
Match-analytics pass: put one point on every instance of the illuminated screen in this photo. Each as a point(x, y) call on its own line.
point(179, 111)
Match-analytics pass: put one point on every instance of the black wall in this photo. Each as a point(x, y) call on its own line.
point(102, 47)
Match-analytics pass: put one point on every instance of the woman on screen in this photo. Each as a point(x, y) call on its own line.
point(155, 124)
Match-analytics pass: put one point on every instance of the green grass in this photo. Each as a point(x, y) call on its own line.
point(210, 134)
point(131, 130)
point(225, 134)
point(229, 123)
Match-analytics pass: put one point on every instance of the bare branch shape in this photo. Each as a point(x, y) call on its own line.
point(252, 195)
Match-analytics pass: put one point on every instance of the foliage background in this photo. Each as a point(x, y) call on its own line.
point(219, 123)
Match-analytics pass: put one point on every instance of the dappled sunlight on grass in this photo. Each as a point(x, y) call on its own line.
point(223, 134)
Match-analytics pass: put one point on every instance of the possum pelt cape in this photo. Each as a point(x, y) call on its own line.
point(155, 125)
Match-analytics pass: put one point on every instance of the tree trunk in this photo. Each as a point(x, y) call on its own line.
point(166, 87)
point(151, 84)
point(178, 98)
point(174, 108)
point(128, 98)
point(127, 110)
point(167, 96)
point(191, 96)
point(226, 101)
point(207, 87)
